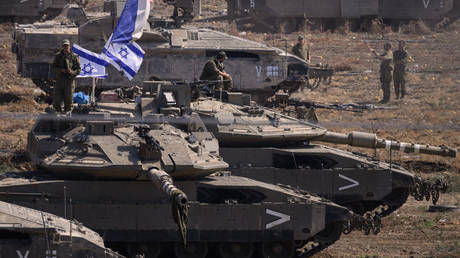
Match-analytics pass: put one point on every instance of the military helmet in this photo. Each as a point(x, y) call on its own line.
point(221, 54)
point(66, 42)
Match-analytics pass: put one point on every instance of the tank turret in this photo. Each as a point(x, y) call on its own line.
point(269, 146)
point(101, 160)
point(237, 122)
point(26, 232)
point(255, 68)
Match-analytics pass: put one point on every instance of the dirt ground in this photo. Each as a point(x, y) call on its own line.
point(429, 114)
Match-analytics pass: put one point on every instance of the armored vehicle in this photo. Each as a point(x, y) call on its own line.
point(114, 164)
point(265, 145)
point(26, 232)
point(275, 14)
point(32, 10)
point(172, 53)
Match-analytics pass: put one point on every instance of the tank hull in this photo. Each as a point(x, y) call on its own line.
point(222, 209)
point(347, 179)
point(388, 9)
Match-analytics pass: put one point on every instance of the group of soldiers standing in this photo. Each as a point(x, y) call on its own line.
point(393, 68)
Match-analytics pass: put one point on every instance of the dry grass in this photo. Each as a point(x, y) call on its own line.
point(417, 27)
point(431, 111)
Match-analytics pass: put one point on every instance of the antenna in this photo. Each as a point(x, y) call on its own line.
point(70, 220)
point(44, 228)
point(65, 203)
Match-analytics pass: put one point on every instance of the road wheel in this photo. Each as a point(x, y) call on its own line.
point(236, 250)
point(277, 249)
point(191, 250)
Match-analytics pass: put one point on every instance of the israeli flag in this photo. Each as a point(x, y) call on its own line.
point(92, 65)
point(120, 50)
point(132, 21)
point(126, 57)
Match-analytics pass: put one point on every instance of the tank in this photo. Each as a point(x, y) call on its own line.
point(151, 181)
point(32, 10)
point(265, 145)
point(277, 14)
point(26, 232)
point(172, 53)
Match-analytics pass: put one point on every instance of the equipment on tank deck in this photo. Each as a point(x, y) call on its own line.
point(26, 232)
point(265, 145)
point(288, 16)
point(103, 156)
point(172, 53)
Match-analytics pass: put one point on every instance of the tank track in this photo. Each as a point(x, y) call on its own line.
point(427, 190)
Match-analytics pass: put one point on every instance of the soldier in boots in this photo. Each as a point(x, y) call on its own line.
point(67, 66)
point(386, 71)
point(400, 59)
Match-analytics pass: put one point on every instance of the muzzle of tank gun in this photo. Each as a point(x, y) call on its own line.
point(368, 140)
point(164, 182)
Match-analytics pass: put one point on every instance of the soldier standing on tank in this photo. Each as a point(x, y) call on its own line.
point(301, 50)
point(386, 71)
point(67, 66)
point(214, 70)
point(400, 59)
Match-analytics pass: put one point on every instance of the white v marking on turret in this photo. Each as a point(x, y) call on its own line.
point(282, 218)
point(352, 181)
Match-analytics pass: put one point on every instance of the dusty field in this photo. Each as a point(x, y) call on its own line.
point(430, 113)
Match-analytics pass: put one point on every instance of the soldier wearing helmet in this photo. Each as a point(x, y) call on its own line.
point(301, 50)
point(67, 66)
point(214, 70)
point(386, 71)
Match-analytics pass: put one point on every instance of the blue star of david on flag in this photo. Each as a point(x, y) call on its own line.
point(124, 53)
point(88, 68)
point(121, 50)
point(93, 64)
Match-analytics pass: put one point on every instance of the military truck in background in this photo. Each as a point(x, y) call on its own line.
point(277, 14)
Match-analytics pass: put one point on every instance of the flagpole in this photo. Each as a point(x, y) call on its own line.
point(93, 89)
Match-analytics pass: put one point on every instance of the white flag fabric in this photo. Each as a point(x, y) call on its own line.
point(120, 50)
point(132, 22)
point(92, 65)
point(126, 57)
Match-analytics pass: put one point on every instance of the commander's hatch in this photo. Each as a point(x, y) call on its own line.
point(178, 37)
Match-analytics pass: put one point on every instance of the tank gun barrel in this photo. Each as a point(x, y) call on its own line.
point(369, 140)
point(180, 207)
point(164, 182)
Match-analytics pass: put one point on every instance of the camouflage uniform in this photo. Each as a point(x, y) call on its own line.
point(65, 86)
point(386, 74)
point(400, 59)
point(211, 73)
point(301, 51)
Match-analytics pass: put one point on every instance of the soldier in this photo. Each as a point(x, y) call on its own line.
point(386, 71)
point(67, 66)
point(301, 50)
point(214, 70)
point(400, 58)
